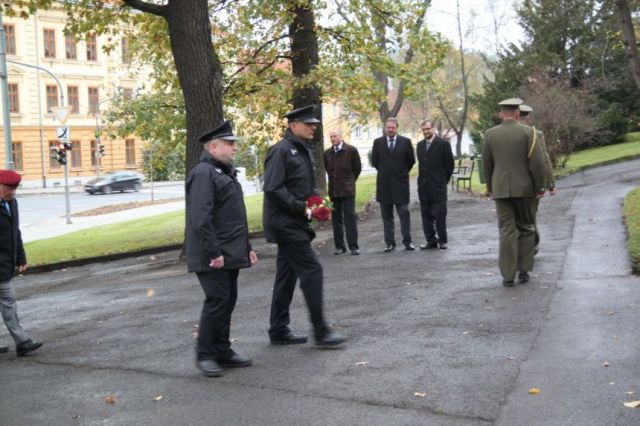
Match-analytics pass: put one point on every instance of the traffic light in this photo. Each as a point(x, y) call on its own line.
point(62, 153)
point(68, 146)
point(101, 150)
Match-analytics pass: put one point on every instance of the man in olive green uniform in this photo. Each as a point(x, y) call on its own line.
point(514, 169)
point(525, 118)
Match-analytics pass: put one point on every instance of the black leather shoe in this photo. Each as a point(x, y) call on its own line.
point(429, 246)
point(330, 339)
point(236, 361)
point(209, 368)
point(355, 252)
point(287, 339)
point(535, 250)
point(443, 246)
point(26, 347)
point(523, 277)
point(507, 283)
point(409, 247)
point(340, 251)
point(389, 247)
point(4, 349)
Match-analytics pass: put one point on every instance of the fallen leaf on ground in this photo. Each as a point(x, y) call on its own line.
point(158, 398)
point(362, 363)
point(610, 313)
point(194, 335)
point(612, 383)
point(420, 394)
point(489, 274)
point(632, 404)
point(151, 292)
point(235, 339)
point(534, 391)
point(606, 364)
point(110, 399)
point(510, 358)
point(152, 258)
point(466, 332)
point(630, 393)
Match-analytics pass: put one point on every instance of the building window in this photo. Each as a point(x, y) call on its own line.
point(17, 155)
point(94, 99)
point(93, 153)
point(49, 43)
point(70, 47)
point(76, 154)
point(14, 100)
point(52, 97)
point(92, 48)
point(73, 99)
point(53, 161)
point(130, 146)
point(10, 37)
point(126, 55)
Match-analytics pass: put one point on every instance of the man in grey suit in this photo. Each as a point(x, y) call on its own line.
point(393, 157)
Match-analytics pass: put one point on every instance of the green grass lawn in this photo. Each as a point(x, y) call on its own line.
point(139, 234)
point(632, 220)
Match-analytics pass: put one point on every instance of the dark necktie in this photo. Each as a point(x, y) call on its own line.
point(5, 206)
point(336, 149)
point(392, 144)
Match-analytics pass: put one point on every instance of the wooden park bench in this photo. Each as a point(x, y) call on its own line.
point(462, 173)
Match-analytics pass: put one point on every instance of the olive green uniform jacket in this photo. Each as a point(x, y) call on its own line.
point(513, 163)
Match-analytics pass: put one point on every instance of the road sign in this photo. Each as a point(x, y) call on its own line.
point(62, 133)
point(62, 113)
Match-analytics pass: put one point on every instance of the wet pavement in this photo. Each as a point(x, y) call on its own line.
point(435, 339)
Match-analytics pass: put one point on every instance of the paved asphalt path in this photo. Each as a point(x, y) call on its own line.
point(437, 323)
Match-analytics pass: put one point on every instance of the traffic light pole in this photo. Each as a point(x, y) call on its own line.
point(67, 200)
point(8, 155)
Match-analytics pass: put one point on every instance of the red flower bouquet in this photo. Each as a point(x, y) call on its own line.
point(319, 209)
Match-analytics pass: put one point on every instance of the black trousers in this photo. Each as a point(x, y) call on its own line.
point(386, 211)
point(434, 220)
point(297, 260)
point(344, 219)
point(221, 292)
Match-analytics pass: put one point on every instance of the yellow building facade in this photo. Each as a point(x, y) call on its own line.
point(89, 78)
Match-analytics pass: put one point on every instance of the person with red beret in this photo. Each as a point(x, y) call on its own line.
point(12, 260)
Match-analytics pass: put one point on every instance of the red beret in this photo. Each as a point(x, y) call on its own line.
point(9, 178)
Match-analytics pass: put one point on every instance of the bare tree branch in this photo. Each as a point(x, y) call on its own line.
point(144, 6)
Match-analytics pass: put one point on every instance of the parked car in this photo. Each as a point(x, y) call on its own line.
point(114, 181)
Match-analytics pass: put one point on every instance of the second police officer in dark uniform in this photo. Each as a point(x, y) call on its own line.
point(288, 183)
point(217, 247)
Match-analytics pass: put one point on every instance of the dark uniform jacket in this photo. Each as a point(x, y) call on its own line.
point(216, 217)
point(343, 168)
point(513, 165)
point(435, 167)
point(11, 249)
point(288, 182)
point(392, 182)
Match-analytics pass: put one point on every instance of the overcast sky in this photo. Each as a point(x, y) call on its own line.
point(477, 22)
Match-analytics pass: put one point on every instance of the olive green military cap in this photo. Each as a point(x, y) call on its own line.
point(511, 103)
point(526, 109)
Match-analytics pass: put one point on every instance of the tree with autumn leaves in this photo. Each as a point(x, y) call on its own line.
point(253, 60)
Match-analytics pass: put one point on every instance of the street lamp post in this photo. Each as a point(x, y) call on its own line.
point(61, 114)
point(8, 158)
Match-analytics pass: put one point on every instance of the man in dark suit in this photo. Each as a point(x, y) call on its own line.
point(392, 155)
point(288, 183)
point(12, 260)
point(435, 166)
point(343, 166)
point(217, 247)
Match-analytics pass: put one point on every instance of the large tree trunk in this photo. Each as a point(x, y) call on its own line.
point(630, 44)
point(198, 66)
point(304, 57)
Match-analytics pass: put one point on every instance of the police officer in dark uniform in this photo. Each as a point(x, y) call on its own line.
point(217, 247)
point(288, 183)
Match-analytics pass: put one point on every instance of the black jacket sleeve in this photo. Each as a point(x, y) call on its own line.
point(201, 208)
point(275, 174)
